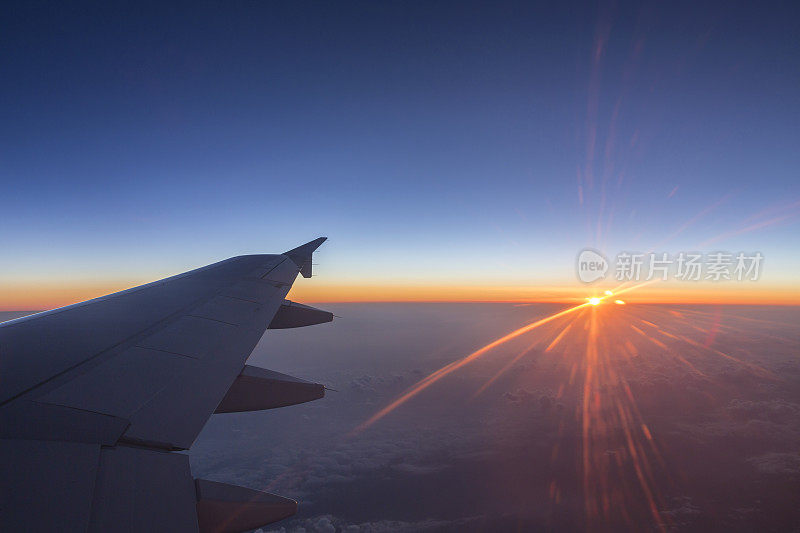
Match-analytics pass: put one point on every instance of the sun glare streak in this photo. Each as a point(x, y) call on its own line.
point(455, 365)
point(622, 289)
point(523, 353)
point(559, 337)
point(505, 369)
point(605, 411)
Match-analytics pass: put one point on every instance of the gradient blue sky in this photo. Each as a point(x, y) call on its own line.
point(431, 142)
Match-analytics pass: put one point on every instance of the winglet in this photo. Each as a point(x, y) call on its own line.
point(302, 255)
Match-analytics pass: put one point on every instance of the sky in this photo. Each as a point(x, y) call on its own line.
point(449, 150)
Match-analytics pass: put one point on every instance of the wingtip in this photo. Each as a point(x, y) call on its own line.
point(306, 248)
point(302, 255)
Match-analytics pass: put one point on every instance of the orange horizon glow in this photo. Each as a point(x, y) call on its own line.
point(51, 294)
point(659, 293)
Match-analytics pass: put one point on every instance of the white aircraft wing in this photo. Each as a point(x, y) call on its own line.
point(97, 399)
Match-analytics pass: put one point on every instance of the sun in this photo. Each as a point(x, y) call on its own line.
point(594, 301)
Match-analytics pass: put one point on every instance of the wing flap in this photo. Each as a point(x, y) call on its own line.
point(143, 490)
point(174, 417)
point(190, 336)
point(228, 310)
point(254, 290)
point(123, 384)
point(46, 486)
point(30, 420)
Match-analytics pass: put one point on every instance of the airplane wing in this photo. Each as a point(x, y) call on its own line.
point(98, 399)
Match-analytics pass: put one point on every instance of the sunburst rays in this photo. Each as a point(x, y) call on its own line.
point(602, 345)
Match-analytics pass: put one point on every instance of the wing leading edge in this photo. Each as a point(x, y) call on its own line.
point(95, 398)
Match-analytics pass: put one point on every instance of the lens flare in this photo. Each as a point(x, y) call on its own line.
point(455, 365)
